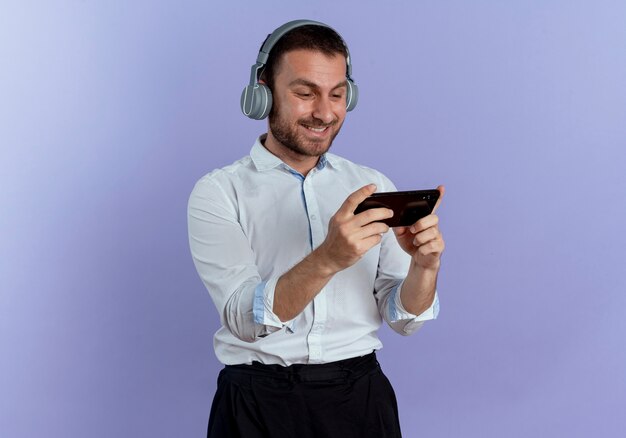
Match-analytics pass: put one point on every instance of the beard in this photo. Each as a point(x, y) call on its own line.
point(290, 136)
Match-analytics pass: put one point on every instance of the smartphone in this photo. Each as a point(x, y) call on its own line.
point(408, 207)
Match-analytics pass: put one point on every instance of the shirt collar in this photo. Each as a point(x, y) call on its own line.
point(331, 159)
point(261, 157)
point(265, 160)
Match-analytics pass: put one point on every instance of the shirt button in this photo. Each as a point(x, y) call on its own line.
point(313, 217)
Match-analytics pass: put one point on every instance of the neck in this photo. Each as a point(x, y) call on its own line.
point(299, 162)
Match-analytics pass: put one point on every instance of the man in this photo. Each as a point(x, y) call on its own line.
point(300, 282)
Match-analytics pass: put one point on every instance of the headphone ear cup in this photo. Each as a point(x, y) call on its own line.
point(256, 101)
point(352, 95)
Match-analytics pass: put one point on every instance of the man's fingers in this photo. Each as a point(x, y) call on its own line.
point(372, 229)
point(372, 215)
point(355, 198)
point(431, 248)
point(426, 222)
point(442, 190)
point(426, 236)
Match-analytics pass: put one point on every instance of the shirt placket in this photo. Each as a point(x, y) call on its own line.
point(314, 338)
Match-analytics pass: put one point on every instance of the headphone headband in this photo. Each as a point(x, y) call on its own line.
point(273, 38)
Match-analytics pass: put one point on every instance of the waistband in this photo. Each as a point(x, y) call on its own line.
point(344, 369)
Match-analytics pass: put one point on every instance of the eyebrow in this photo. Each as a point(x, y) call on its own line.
point(314, 85)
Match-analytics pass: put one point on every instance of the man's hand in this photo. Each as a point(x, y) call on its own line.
point(423, 240)
point(350, 236)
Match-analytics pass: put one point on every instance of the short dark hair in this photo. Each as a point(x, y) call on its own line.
point(309, 37)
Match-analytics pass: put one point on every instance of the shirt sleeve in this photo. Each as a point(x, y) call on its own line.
point(263, 308)
point(225, 263)
point(402, 320)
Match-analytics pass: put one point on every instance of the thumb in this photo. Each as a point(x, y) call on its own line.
point(442, 190)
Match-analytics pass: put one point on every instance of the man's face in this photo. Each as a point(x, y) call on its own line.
point(309, 101)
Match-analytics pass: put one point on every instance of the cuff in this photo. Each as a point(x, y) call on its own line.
point(397, 312)
point(263, 306)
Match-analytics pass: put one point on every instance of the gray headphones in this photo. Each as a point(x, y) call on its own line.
point(256, 98)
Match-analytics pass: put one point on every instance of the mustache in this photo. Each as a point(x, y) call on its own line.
point(316, 123)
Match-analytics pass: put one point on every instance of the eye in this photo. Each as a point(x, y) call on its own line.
point(338, 93)
point(303, 93)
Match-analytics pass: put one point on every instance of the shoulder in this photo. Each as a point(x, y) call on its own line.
point(224, 176)
point(218, 187)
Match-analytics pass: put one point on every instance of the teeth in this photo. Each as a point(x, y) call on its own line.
point(316, 129)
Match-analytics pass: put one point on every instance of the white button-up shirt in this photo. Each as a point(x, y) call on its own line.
point(252, 221)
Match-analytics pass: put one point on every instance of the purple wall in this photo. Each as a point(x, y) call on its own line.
point(110, 111)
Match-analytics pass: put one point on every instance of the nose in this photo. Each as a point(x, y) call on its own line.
point(323, 109)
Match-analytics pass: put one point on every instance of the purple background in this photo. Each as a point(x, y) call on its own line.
point(110, 111)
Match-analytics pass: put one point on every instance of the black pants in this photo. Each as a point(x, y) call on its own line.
point(349, 398)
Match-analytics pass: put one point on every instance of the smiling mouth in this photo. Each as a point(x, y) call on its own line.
point(316, 129)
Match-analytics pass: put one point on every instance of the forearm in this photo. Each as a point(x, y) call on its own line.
point(299, 286)
point(418, 289)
